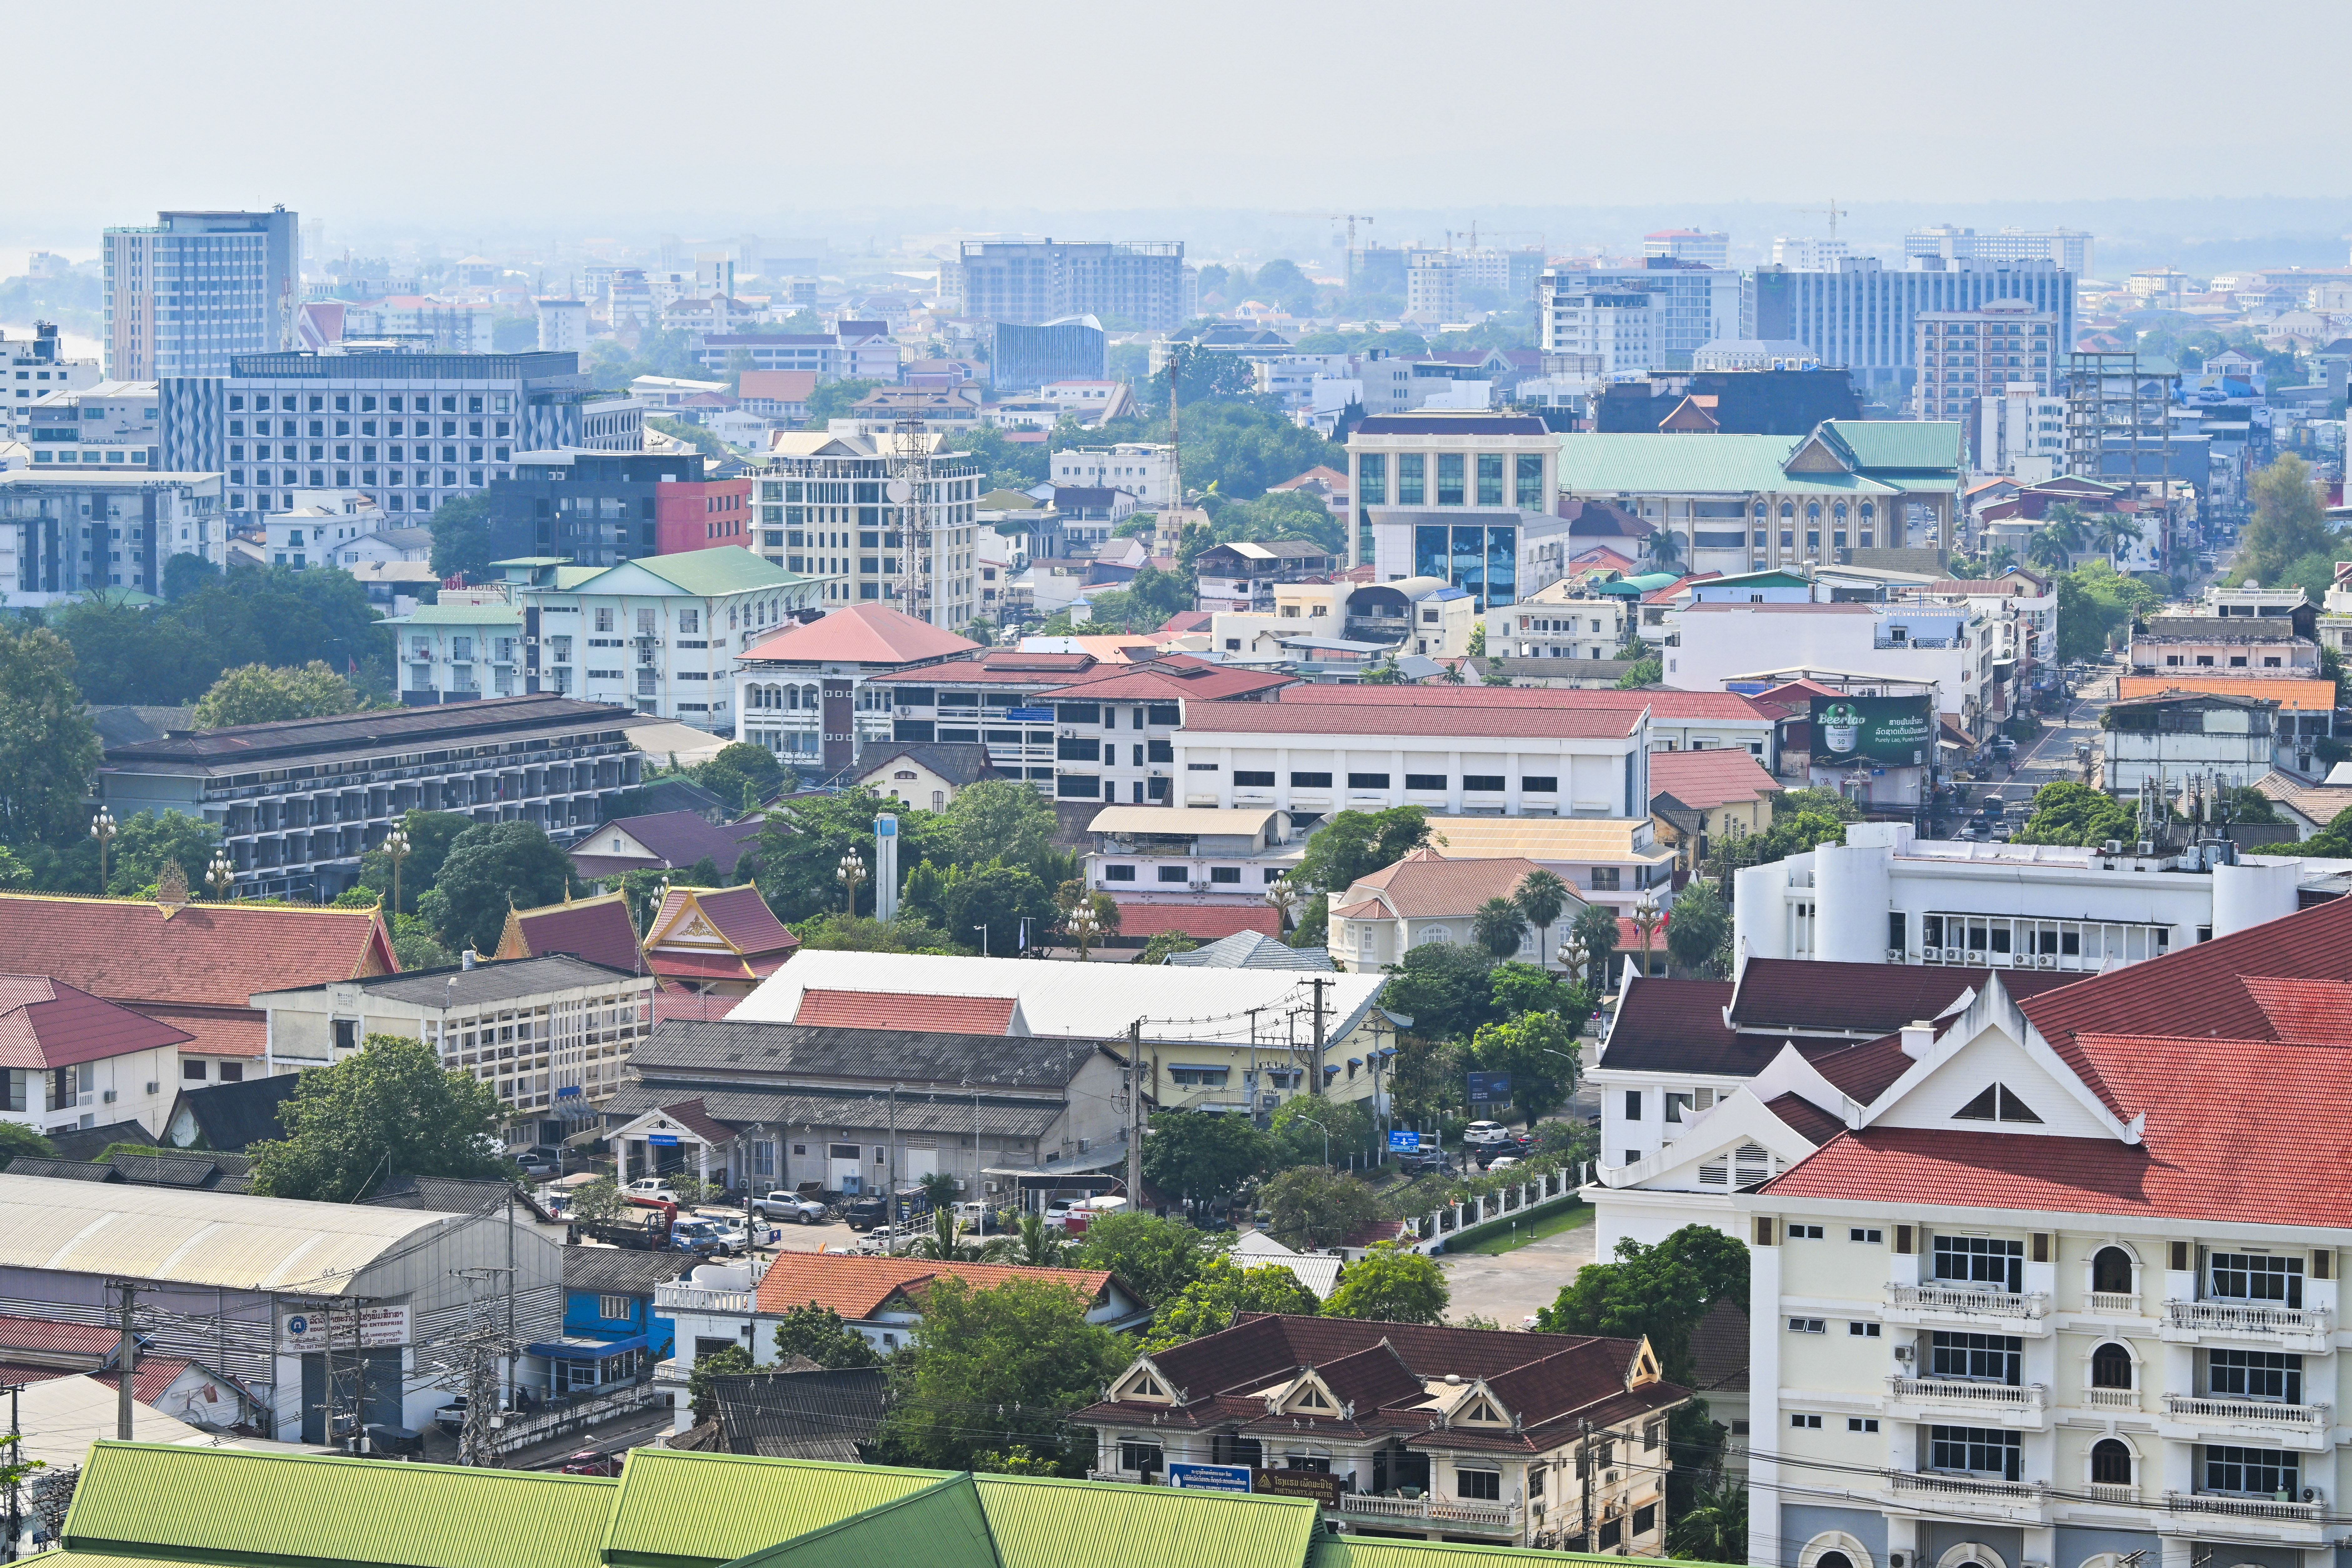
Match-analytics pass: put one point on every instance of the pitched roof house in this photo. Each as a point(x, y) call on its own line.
point(723, 940)
point(1426, 898)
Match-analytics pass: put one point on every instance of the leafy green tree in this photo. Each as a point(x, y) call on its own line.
point(595, 1202)
point(737, 767)
point(1202, 1154)
point(1310, 1207)
point(2094, 604)
point(700, 1391)
point(910, 933)
point(1338, 1128)
point(999, 897)
point(183, 574)
point(1356, 844)
point(47, 749)
point(1444, 988)
point(1020, 1459)
point(819, 1334)
point(1390, 1286)
point(1314, 927)
point(2290, 522)
point(1647, 670)
point(15, 1139)
point(492, 868)
point(1540, 1051)
point(257, 694)
point(998, 819)
point(1160, 944)
point(1222, 1290)
point(1498, 927)
point(2069, 812)
point(1700, 926)
point(462, 545)
point(1157, 1256)
point(1519, 988)
point(146, 841)
point(1541, 896)
point(387, 1109)
point(1596, 927)
point(1022, 1351)
point(1714, 1527)
point(1661, 1291)
point(430, 835)
point(127, 653)
point(414, 944)
point(835, 399)
point(1034, 1246)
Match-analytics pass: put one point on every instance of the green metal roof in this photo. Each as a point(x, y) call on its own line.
point(725, 569)
point(1606, 462)
point(233, 1506)
point(941, 1526)
point(1775, 579)
point(1041, 1523)
point(1875, 444)
point(1377, 1552)
point(696, 1511)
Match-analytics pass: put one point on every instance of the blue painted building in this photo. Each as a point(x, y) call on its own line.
point(611, 1336)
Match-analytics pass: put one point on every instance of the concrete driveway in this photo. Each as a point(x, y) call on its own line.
point(1510, 1286)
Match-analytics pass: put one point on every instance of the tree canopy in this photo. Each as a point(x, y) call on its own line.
point(385, 1110)
point(1390, 1286)
point(1445, 988)
point(1661, 1291)
point(1157, 1256)
point(260, 694)
point(172, 652)
point(1201, 1153)
point(461, 538)
point(2065, 812)
point(145, 842)
point(47, 749)
point(819, 1334)
point(1310, 1208)
point(493, 867)
point(1355, 844)
point(1023, 1351)
point(1223, 1290)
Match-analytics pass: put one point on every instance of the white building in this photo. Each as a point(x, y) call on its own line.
point(1963, 355)
point(1752, 353)
point(1433, 287)
point(2166, 741)
point(1466, 498)
point(32, 369)
point(1142, 469)
point(826, 513)
point(1688, 306)
point(185, 295)
point(321, 525)
point(2072, 248)
point(658, 633)
point(1617, 326)
point(563, 325)
point(1807, 255)
point(1706, 248)
point(104, 528)
point(106, 422)
point(1945, 646)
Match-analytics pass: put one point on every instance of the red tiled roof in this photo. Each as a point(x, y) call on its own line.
point(1866, 1071)
point(693, 1115)
point(22, 1333)
point(215, 1031)
point(679, 838)
point(922, 1014)
point(1414, 714)
point(1661, 704)
point(1805, 1119)
point(672, 964)
point(741, 914)
point(2294, 694)
point(1202, 922)
point(863, 634)
point(597, 930)
point(45, 1023)
point(777, 385)
point(1870, 999)
point(1425, 884)
point(857, 1287)
point(1676, 1025)
point(130, 950)
point(150, 1376)
point(1709, 778)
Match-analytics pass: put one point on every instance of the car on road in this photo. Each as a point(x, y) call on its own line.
point(791, 1208)
point(1502, 1162)
point(538, 1163)
point(655, 1187)
point(704, 1238)
point(1485, 1134)
point(1420, 1161)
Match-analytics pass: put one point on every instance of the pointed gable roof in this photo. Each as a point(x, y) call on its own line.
point(717, 933)
point(863, 634)
point(46, 1023)
point(595, 929)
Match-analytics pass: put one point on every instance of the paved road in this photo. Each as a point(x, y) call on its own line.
point(1510, 1286)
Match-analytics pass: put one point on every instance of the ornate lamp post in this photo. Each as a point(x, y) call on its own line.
point(219, 875)
point(1646, 917)
point(395, 849)
point(1083, 928)
point(849, 873)
point(102, 828)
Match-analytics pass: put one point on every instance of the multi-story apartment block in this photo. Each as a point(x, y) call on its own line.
point(1145, 469)
point(563, 326)
point(805, 694)
point(413, 430)
point(1964, 355)
point(658, 633)
point(1466, 498)
point(1033, 282)
point(1690, 305)
point(298, 801)
point(106, 422)
point(105, 528)
point(598, 508)
point(1804, 255)
point(185, 296)
point(2070, 248)
point(1433, 287)
point(826, 511)
point(31, 368)
point(1706, 248)
point(859, 350)
point(1860, 314)
point(1618, 327)
point(1022, 357)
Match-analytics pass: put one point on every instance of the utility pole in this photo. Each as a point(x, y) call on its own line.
point(1135, 1117)
point(15, 1452)
point(1317, 1088)
point(126, 1358)
point(1584, 1468)
point(890, 1199)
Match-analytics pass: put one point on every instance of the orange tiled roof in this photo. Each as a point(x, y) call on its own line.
point(923, 1015)
point(857, 1288)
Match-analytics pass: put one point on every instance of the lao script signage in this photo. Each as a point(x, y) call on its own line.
point(378, 1328)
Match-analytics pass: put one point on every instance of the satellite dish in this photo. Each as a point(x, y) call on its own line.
point(898, 490)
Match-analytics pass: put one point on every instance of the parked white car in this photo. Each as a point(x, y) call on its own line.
point(1486, 1134)
point(651, 1187)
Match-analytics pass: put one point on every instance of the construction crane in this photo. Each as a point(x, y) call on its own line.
point(1351, 220)
point(1832, 212)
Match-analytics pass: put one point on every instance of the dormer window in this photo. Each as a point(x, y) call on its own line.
point(1996, 1104)
point(1483, 1412)
point(1312, 1398)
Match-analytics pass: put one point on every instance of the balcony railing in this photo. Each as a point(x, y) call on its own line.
point(2246, 1318)
point(2245, 1507)
point(694, 1298)
point(2101, 1491)
point(1983, 1395)
point(2111, 1399)
point(1502, 1516)
point(1911, 1482)
point(2309, 1418)
point(2115, 1304)
point(1969, 1303)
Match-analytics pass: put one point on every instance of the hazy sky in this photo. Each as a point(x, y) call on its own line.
point(593, 118)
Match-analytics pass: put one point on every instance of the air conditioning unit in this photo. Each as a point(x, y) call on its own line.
point(2112, 846)
point(108, 1097)
point(2146, 847)
point(1893, 955)
point(152, 1086)
point(1974, 957)
point(2047, 960)
point(1951, 955)
point(1904, 1352)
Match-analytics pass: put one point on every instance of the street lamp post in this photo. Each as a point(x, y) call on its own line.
point(1083, 928)
point(849, 873)
point(984, 940)
point(1647, 918)
point(219, 875)
point(102, 828)
point(1327, 1138)
point(395, 849)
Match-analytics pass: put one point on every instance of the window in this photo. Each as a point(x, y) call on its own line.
point(1645, 1518)
point(1372, 480)
point(1136, 1456)
point(1310, 781)
point(1808, 1326)
point(1870, 1234)
point(1480, 1485)
point(1976, 1358)
point(1605, 878)
point(1490, 479)
point(2263, 1472)
point(2111, 1463)
point(1804, 1423)
point(1368, 781)
point(1449, 479)
point(1484, 784)
point(194, 1072)
point(1677, 1103)
point(1174, 874)
point(617, 1309)
point(1861, 1330)
point(1981, 1260)
point(1250, 778)
point(1528, 482)
point(1119, 873)
point(2111, 1366)
point(1632, 1105)
point(1431, 782)
point(1862, 1424)
point(1804, 1233)
point(2255, 1277)
point(1409, 477)
point(1541, 783)
point(2111, 1272)
point(1224, 873)
point(1974, 1450)
point(1613, 1530)
point(1996, 1103)
point(2255, 1374)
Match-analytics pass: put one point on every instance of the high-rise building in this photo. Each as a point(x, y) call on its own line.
point(1861, 315)
point(31, 368)
point(1690, 306)
point(2069, 247)
point(1033, 282)
point(1803, 254)
point(1433, 287)
point(184, 295)
point(1025, 358)
point(1689, 244)
point(1967, 354)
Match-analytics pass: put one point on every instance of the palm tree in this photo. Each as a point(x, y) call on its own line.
point(1499, 927)
point(1540, 896)
point(1035, 1247)
point(1713, 1528)
point(1283, 897)
point(2050, 547)
point(1451, 675)
point(2117, 529)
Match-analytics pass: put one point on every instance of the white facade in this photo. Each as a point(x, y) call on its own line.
point(2164, 743)
point(563, 325)
point(1433, 287)
point(1888, 896)
point(1706, 248)
point(321, 523)
point(108, 422)
point(1807, 255)
point(1942, 645)
point(1619, 327)
point(1142, 469)
point(103, 527)
point(824, 514)
point(32, 370)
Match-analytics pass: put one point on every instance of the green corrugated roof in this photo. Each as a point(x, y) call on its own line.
point(1899, 443)
point(1596, 463)
point(1374, 1551)
point(233, 1506)
point(1044, 1523)
point(941, 1526)
point(697, 1510)
point(726, 569)
point(573, 576)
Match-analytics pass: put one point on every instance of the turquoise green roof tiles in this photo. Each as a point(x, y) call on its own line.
point(1040, 1522)
point(1594, 463)
point(693, 1510)
point(232, 1506)
point(942, 1526)
point(726, 569)
point(1876, 443)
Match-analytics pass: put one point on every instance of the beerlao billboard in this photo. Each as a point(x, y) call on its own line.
point(1890, 731)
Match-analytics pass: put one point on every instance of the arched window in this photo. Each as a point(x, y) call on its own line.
point(1833, 1559)
point(1813, 511)
point(1788, 511)
point(2111, 1366)
point(2111, 1272)
point(1840, 511)
point(2111, 1463)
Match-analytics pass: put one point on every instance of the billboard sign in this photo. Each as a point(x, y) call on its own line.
point(379, 1328)
point(1404, 1140)
point(1490, 1088)
point(1323, 1487)
point(1890, 731)
point(1209, 1478)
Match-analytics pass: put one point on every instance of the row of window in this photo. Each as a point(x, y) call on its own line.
point(1453, 477)
point(1434, 783)
point(1217, 874)
point(499, 401)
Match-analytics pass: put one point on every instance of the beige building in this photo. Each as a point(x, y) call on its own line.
point(1698, 799)
point(1428, 898)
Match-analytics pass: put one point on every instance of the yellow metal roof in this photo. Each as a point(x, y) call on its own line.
point(1541, 837)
